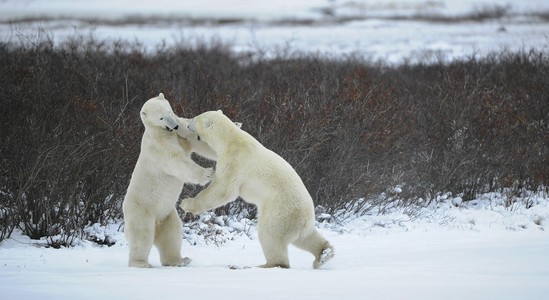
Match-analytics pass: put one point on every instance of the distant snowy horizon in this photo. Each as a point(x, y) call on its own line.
point(388, 31)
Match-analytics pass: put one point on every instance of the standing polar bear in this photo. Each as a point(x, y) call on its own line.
point(163, 166)
point(247, 169)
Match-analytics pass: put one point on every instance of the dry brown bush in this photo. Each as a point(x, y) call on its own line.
point(70, 130)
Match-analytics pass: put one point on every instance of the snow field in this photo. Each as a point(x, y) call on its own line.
point(452, 252)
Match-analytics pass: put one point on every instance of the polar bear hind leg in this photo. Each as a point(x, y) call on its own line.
point(318, 246)
point(277, 257)
point(275, 249)
point(140, 236)
point(168, 241)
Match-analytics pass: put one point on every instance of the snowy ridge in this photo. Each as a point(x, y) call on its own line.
point(217, 230)
point(489, 212)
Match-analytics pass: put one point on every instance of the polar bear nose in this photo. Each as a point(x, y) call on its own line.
point(171, 123)
point(172, 129)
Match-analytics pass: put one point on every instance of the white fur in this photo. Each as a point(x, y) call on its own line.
point(247, 169)
point(163, 166)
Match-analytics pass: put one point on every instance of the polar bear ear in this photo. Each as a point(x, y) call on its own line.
point(220, 111)
point(161, 96)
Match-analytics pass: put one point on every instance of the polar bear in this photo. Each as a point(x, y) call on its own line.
point(163, 166)
point(247, 169)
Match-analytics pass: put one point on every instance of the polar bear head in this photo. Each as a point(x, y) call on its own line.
point(212, 126)
point(157, 113)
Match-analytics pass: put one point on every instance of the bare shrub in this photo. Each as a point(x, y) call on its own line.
point(481, 123)
point(64, 146)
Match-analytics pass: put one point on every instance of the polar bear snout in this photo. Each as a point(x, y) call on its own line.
point(171, 123)
point(172, 129)
point(192, 126)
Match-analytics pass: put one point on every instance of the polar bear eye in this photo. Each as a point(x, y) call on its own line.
point(161, 119)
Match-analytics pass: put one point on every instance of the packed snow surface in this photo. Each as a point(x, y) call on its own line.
point(391, 31)
point(481, 249)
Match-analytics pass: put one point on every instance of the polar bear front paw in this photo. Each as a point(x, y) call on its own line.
point(188, 206)
point(209, 174)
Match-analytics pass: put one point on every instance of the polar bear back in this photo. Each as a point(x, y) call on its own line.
point(261, 176)
point(279, 173)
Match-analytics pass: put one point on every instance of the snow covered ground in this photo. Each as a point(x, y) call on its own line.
point(475, 250)
point(390, 30)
